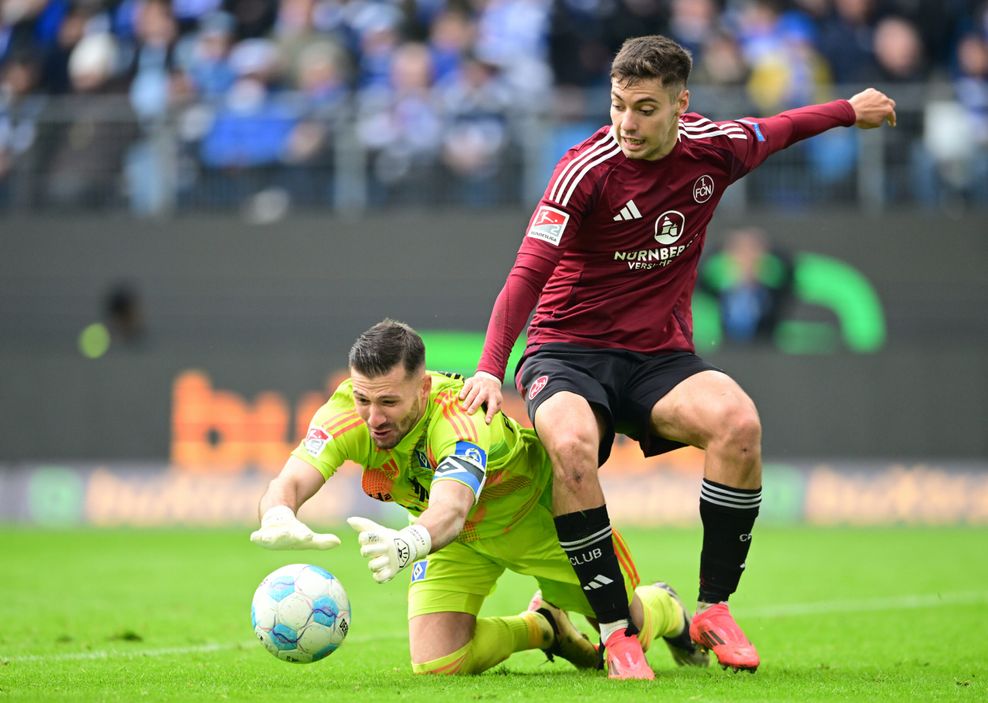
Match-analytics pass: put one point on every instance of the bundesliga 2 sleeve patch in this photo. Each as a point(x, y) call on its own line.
point(315, 440)
point(548, 224)
point(467, 464)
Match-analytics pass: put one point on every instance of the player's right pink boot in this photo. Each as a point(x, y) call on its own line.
point(625, 658)
point(716, 629)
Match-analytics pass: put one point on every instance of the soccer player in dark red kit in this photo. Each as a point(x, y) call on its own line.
point(610, 256)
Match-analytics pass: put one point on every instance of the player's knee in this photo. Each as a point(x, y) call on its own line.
point(741, 432)
point(571, 445)
point(574, 456)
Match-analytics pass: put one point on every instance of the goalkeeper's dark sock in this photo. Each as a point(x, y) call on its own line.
point(728, 514)
point(586, 538)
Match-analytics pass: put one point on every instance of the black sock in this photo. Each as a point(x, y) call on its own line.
point(586, 538)
point(728, 514)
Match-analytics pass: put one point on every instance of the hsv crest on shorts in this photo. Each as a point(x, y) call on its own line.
point(548, 225)
point(418, 570)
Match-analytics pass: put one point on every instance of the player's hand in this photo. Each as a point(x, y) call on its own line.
point(872, 108)
point(280, 529)
point(389, 551)
point(479, 390)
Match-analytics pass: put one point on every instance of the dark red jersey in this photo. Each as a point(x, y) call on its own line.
point(611, 252)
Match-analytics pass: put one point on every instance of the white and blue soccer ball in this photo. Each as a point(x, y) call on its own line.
point(300, 613)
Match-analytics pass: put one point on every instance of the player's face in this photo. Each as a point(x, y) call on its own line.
point(645, 116)
point(390, 404)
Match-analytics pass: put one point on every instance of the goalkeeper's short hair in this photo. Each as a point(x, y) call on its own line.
point(385, 345)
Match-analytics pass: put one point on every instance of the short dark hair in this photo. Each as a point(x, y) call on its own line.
point(653, 56)
point(383, 346)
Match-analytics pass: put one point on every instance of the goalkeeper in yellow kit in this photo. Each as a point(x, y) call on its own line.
point(481, 499)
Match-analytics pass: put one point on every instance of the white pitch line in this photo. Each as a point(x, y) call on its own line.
point(934, 600)
point(937, 600)
point(161, 651)
point(120, 654)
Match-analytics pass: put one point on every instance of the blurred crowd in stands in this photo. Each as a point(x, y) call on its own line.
point(208, 102)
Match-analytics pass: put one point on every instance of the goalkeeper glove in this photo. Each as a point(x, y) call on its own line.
point(389, 551)
point(280, 529)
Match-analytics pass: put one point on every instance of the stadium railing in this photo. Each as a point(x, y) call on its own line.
point(96, 154)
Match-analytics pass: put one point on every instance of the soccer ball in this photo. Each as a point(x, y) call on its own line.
point(300, 613)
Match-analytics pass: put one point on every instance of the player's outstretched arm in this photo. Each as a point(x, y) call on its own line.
point(872, 108)
point(482, 389)
point(280, 529)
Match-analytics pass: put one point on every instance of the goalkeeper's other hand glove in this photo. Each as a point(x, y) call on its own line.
point(389, 551)
point(280, 529)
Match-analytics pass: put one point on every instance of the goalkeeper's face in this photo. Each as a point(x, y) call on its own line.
point(390, 404)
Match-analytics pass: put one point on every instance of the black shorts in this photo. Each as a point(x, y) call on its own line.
point(624, 386)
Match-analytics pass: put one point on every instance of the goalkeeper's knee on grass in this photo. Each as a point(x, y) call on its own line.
point(494, 640)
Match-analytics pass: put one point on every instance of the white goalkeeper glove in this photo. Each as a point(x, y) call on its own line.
point(280, 529)
point(389, 551)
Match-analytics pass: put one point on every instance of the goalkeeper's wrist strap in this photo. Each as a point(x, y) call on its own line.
point(417, 541)
point(277, 514)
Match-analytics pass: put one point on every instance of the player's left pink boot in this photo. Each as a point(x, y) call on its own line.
point(716, 629)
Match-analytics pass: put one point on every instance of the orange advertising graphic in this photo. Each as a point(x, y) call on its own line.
point(219, 431)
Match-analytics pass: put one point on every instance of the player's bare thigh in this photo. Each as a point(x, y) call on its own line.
point(434, 635)
point(566, 419)
point(709, 410)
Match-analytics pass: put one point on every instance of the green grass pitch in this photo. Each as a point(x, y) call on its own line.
point(839, 614)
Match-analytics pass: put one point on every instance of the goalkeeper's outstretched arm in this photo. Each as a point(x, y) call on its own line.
point(280, 529)
point(449, 504)
point(297, 482)
point(389, 551)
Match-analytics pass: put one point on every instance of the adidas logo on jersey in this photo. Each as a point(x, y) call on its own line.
point(628, 212)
